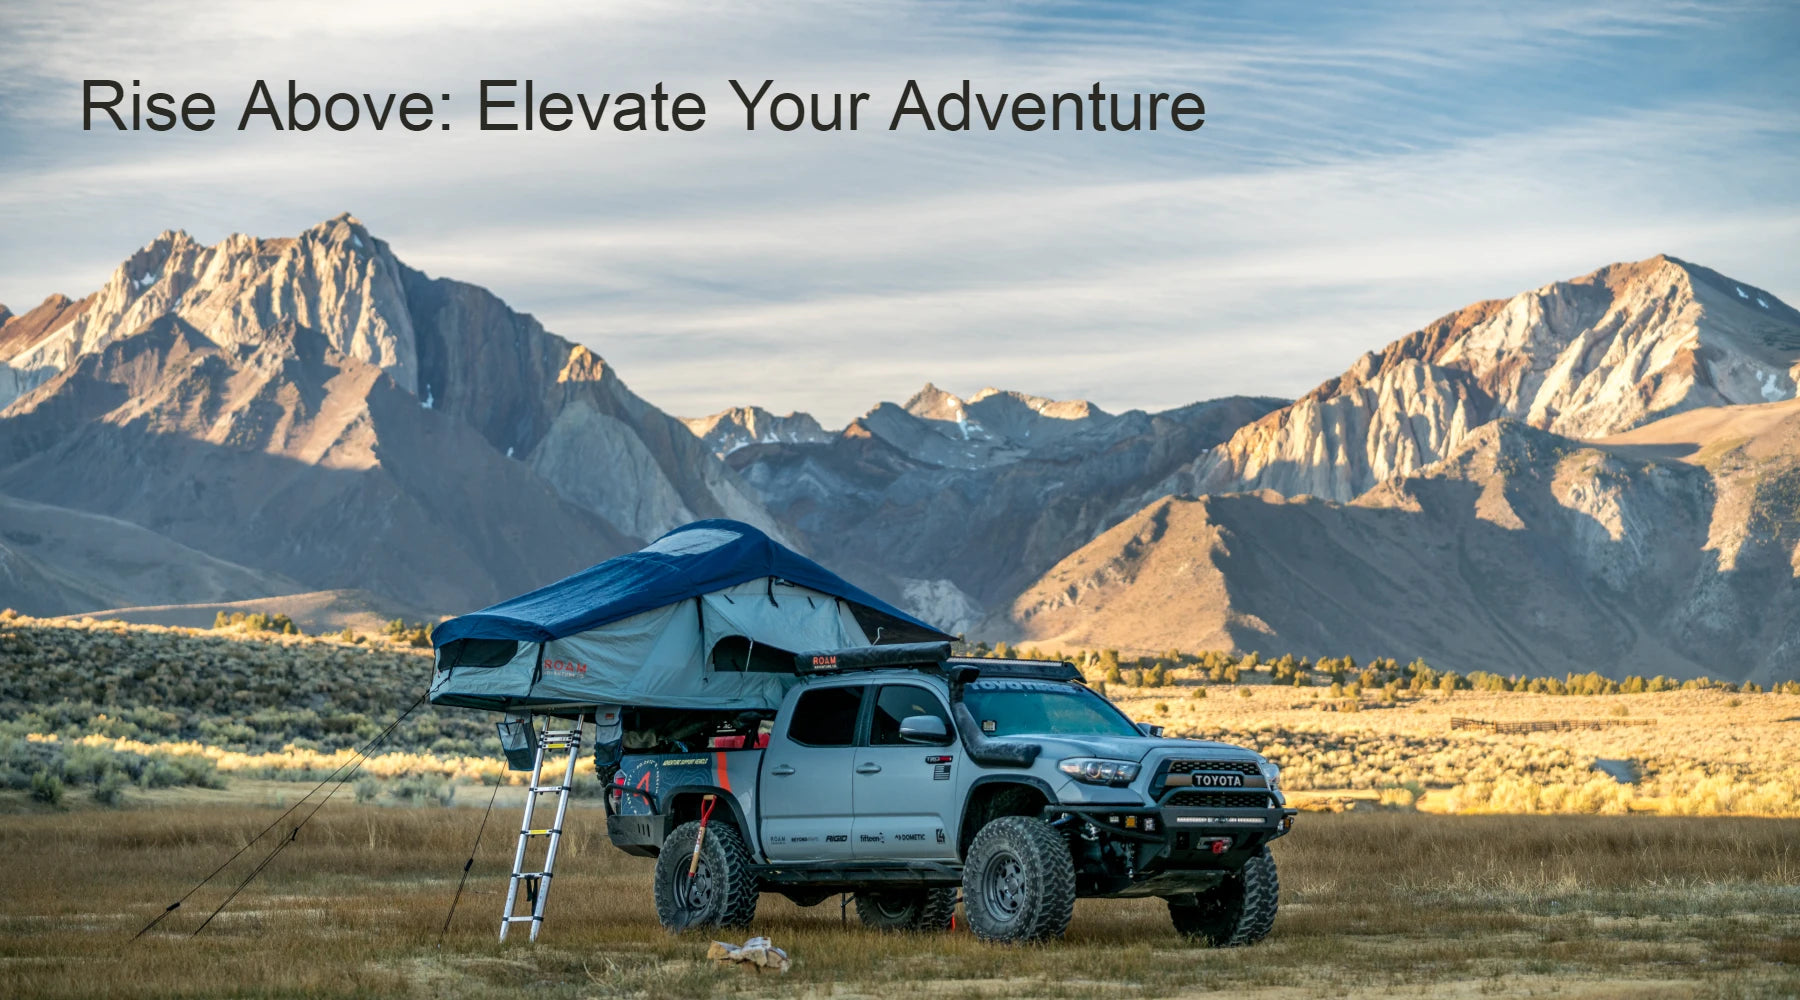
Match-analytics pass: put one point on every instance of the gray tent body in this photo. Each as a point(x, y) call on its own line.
point(730, 649)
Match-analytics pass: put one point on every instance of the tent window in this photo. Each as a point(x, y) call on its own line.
point(477, 653)
point(737, 654)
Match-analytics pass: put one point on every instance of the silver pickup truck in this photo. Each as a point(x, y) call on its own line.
point(901, 774)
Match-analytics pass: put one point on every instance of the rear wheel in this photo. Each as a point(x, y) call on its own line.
point(720, 893)
point(1238, 911)
point(907, 909)
point(1018, 881)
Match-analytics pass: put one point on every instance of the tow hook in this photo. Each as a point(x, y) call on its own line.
point(1218, 845)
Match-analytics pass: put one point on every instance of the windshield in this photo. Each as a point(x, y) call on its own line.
point(1044, 708)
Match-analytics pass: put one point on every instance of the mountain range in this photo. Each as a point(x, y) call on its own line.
point(1599, 474)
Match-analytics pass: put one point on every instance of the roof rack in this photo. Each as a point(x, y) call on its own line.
point(1042, 670)
point(929, 656)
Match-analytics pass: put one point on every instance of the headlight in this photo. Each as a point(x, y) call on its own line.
point(1272, 774)
point(1099, 771)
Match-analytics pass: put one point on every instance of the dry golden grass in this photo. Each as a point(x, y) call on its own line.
point(1705, 753)
point(1375, 904)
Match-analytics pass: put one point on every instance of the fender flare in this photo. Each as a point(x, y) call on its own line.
point(668, 797)
point(1029, 780)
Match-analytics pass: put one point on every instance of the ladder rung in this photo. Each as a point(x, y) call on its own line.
point(540, 833)
point(531, 875)
point(522, 920)
point(546, 788)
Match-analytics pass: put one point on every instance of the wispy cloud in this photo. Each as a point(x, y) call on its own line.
point(1360, 172)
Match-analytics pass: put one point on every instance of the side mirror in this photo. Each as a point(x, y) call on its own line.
point(1149, 730)
point(923, 729)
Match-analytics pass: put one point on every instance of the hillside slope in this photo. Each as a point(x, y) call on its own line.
point(951, 506)
point(53, 559)
point(1520, 552)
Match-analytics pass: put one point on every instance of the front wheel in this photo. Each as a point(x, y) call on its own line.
point(907, 909)
point(720, 893)
point(1238, 911)
point(1018, 881)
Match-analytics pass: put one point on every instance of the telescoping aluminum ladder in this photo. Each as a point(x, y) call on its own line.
point(537, 883)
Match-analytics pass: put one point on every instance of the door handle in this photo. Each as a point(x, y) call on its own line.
point(781, 769)
point(868, 767)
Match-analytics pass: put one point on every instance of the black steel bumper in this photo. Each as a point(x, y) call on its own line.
point(1176, 850)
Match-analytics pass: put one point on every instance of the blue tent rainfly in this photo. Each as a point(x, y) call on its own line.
point(706, 617)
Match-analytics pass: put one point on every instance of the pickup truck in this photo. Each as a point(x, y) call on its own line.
point(902, 775)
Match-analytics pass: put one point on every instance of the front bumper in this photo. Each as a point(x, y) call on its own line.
point(1168, 850)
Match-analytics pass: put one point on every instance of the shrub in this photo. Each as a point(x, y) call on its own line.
point(1404, 795)
point(1199, 692)
point(423, 788)
point(47, 788)
point(110, 789)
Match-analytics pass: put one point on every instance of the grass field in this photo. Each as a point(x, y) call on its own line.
point(1527, 873)
point(1374, 904)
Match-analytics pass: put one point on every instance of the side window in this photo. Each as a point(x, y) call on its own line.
point(826, 717)
point(896, 702)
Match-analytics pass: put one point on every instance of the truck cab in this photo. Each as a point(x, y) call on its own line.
point(902, 774)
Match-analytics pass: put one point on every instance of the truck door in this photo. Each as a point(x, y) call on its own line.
point(905, 793)
point(805, 779)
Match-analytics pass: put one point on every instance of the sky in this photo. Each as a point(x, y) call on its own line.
point(1362, 170)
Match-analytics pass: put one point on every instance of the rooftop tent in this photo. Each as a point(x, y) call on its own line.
point(707, 616)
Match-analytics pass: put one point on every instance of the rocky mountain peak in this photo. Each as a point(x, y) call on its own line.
point(311, 405)
point(1613, 349)
point(742, 426)
point(333, 278)
point(933, 403)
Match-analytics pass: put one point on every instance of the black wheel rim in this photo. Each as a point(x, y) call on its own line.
point(1004, 890)
point(696, 891)
point(892, 907)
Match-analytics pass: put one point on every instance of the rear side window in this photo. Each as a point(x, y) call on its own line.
point(826, 717)
point(896, 702)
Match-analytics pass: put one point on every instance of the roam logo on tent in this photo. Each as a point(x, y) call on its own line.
point(569, 667)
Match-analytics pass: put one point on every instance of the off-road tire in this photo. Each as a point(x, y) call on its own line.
point(1238, 911)
point(907, 909)
point(1018, 881)
point(728, 889)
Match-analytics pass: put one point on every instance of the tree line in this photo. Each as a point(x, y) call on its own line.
point(1344, 675)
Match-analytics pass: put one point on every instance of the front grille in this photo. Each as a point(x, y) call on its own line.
point(1219, 800)
point(1190, 766)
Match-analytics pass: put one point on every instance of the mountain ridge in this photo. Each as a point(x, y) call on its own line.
point(1594, 355)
